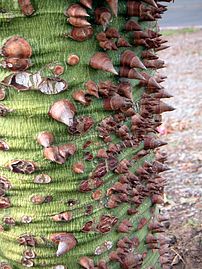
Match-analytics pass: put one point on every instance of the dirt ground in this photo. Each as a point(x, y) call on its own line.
point(182, 129)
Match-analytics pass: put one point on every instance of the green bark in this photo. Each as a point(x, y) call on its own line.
point(45, 31)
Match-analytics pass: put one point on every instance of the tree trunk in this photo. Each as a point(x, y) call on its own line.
point(89, 197)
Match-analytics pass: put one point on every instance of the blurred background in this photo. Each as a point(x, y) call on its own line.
point(183, 13)
point(182, 129)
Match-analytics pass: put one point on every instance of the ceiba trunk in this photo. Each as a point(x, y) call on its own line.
point(79, 185)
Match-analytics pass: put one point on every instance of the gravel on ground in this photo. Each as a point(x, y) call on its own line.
point(182, 129)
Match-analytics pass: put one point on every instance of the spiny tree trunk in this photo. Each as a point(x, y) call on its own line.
point(80, 104)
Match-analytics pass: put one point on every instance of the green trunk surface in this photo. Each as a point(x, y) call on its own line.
point(45, 31)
